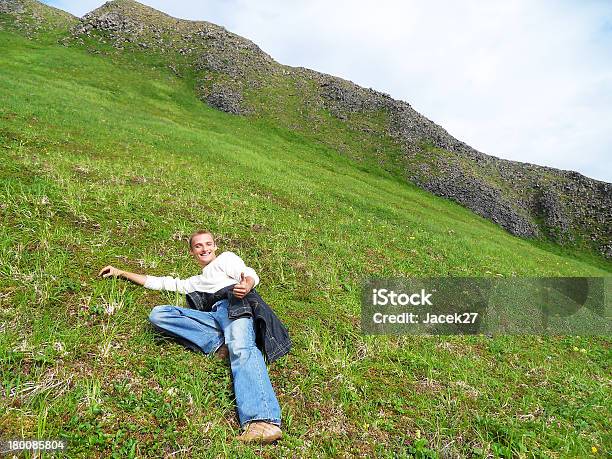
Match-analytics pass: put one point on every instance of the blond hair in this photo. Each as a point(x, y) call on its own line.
point(197, 233)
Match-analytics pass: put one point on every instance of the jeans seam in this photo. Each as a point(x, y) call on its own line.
point(260, 380)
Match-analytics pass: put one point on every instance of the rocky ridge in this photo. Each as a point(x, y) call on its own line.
point(196, 47)
point(32, 17)
point(232, 73)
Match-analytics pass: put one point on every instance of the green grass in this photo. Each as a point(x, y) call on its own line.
point(109, 163)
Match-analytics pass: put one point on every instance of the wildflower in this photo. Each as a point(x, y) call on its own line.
point(109, 308)
point(59, 347)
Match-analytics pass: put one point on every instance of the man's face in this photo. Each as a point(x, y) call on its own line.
point(203, 248)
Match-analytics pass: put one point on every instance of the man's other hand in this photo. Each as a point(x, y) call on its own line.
point(110, 271)
point(244, 287)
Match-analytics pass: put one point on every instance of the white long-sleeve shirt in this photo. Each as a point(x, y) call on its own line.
point(224, 270)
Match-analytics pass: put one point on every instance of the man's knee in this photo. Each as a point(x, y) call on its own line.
point(159, 313)
point(240, 338)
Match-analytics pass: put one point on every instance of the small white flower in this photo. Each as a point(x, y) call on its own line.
point(109, 308)
point(60, 348)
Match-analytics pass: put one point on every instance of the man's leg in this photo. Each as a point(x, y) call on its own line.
point(196, 329)
point(255, 397)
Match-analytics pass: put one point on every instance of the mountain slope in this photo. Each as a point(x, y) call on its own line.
point(105, 160)
point(231, 73)
point(234, 75)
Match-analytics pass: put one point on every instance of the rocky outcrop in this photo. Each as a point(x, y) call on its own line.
point(525, 199)
point(32, 17)
point(11, 7)
point(189, 46)
point(224, 98)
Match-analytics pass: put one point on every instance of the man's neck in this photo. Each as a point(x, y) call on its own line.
point(206, 264)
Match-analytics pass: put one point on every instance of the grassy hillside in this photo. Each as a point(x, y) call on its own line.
point(233, 74)
point(105, 162)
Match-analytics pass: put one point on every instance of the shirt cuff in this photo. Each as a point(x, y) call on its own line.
point(251, 273)
point(152, 282)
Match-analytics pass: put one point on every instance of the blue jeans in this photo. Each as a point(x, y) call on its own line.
point(207, 331)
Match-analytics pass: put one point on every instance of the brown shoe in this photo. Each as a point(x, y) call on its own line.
point(222, 353)
point(260, 432)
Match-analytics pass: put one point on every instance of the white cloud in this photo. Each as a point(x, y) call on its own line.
point(526, 80)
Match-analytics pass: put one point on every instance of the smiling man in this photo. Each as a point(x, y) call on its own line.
point(227, 317)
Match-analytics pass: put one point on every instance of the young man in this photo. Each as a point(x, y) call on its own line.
point(230, 317)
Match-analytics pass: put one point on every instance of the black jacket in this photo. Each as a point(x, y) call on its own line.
point(271, 336)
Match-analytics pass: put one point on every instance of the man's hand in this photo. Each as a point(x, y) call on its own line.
point(244, 287)
point(110, 271)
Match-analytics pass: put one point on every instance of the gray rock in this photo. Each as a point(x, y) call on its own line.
point(11, 7)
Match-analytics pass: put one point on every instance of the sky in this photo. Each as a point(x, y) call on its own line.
point(526, 80)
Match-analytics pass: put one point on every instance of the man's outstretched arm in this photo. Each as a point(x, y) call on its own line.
point(167, 283)
point(111, 271)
